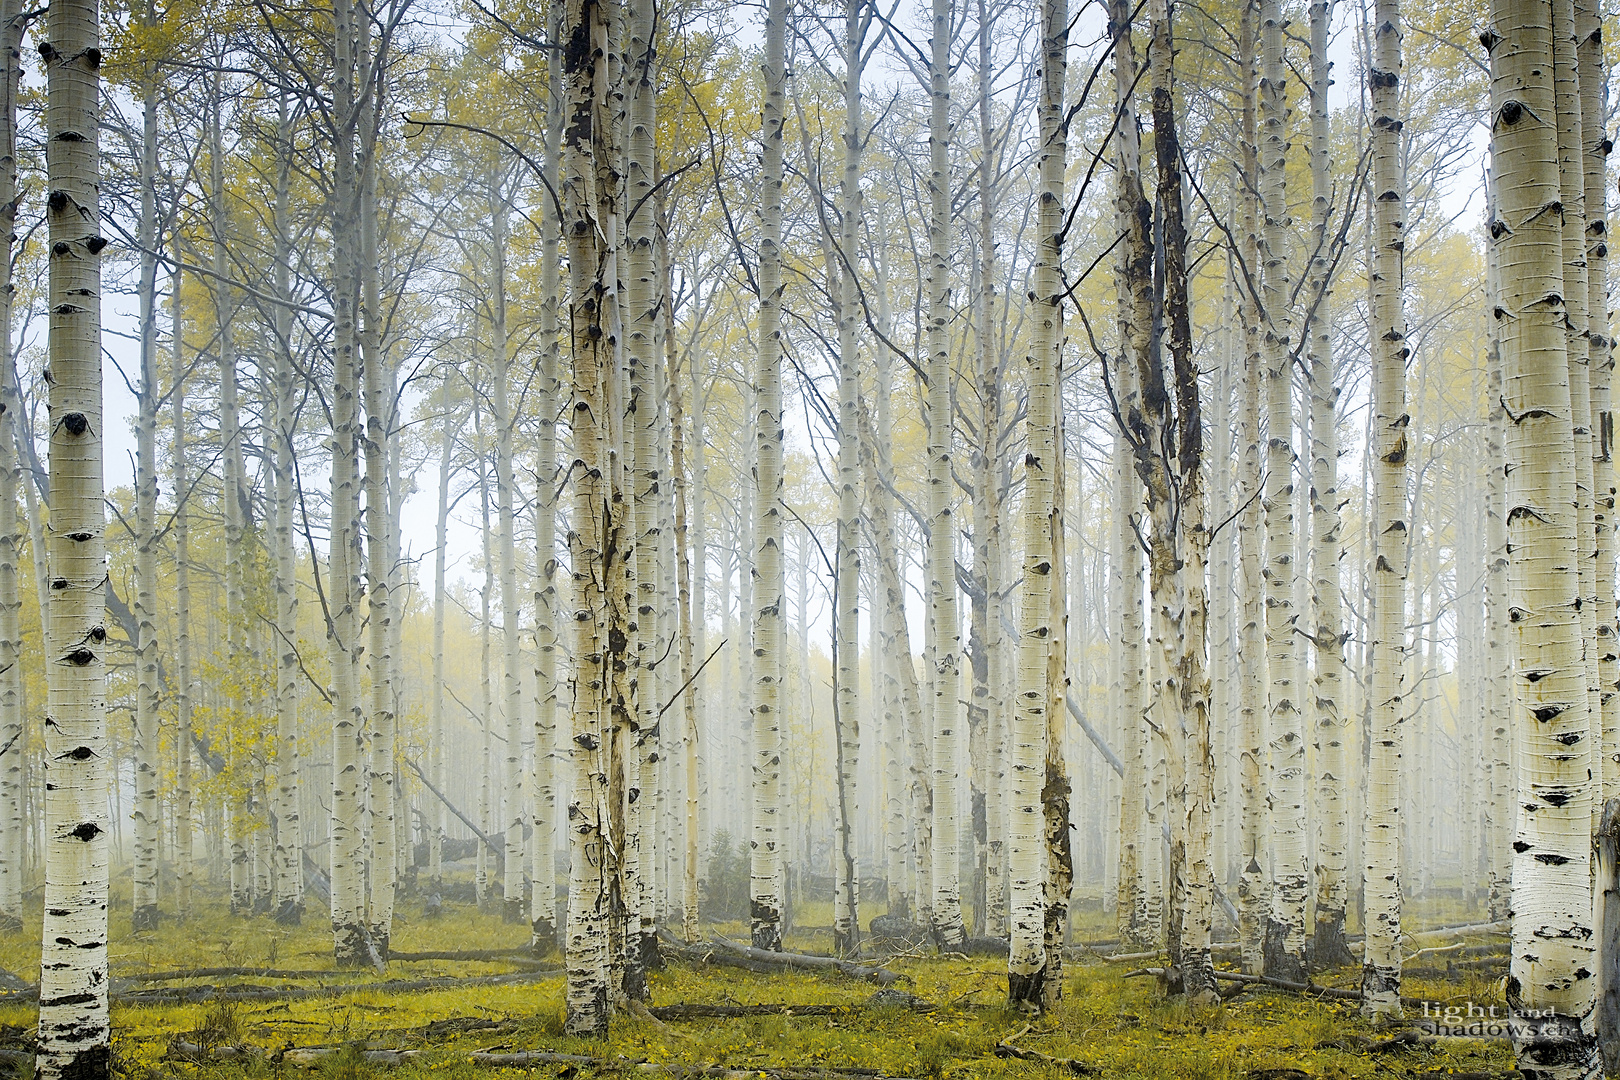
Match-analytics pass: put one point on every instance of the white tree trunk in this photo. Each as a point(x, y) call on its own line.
point(548, 478)
point(1381, 842)
point(74, 1032)
point(145, 882)
point(846, 898)
point(1552, 966)
point(595, 537)
point(283, 454)
point(1327, 702)
point(1255, 822)
point(1285, 929)
point(13, 772)
point(183, 810)
point(765, 864)
point(1027, 986)
point(946, 709)
point(347, 830)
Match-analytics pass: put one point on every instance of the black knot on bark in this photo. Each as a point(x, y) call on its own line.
point(80, 657)
point(86, 831)
point(1512, 112)
point(56, 200)
point(59, 583)
point(47, 51)
point(61, 247)
point(93, 55)
point(75, 423)
point(81, 753)
point(79, 537)
point(98, 633)
point(95, 244)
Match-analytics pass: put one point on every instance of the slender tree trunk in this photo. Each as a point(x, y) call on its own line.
point(513, 814)
point(382, 786)
point(1252, 746)
point(987, 507)
point(1550, 991)
point(846, 899)
point(548, 390)
point(643, 305)
point(74, 1032)
point(1498, 671)
point(946, 709)
point(1285, 928)
point(595, 538)
point(347, 831)
point(283, 453)
point(1381, 844)
point(13, 771)
point(145, 883)
point(1027, 986)
point(183, 810)
point(1327, 703)
point(436, 769)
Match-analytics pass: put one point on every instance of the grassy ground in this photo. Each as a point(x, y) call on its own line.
point(1123, 1026)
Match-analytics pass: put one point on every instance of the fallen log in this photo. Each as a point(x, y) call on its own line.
point(188, 994)
point(699, 1011)
point(700, 955)
point(1006, 1049)
point(524, 1059)
point(881, 976)
point(180, 1050)
point(1312, 989)
point(464, 954)
point(229, 973)
point(310, 1056)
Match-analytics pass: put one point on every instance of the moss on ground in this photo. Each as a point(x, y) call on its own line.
point(1122, 1026)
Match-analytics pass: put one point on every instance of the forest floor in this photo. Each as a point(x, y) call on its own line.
point(1107, 1025)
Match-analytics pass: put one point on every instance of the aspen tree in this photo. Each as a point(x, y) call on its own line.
point(376, 384)
point(1252, 748)
point(1572, 187)
point(1499, 672)
point(987, 506)
point(1285, 928)
point(13, 777)
point(1327, 703)
point(1027, 986)
point(846, 899)
point(283, 457)
point(1194, 776)
point(145, 883)
point(74, 1033)
point(1551, 991)
point(513, 816)
point(436, 770)
point(1593, 73)
point(595, 533)
point(691, 838)
point(238, 817)
point(347, 828)
point(547, 604)
point(946, 707)
point(1381, 843)
point(180, 472)
point(642, 306)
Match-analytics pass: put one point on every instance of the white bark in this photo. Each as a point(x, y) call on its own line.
point(1027, 987)
point(145, 883)
point(1381, 842)
point(1553, 944)
point(595, 539)
point(1328, 702)
point(846, 899)
point(13, 773)
point(1285, 930)
point(946, 709)
point(283, 453)
point(74, 1032)
point(765, 864)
